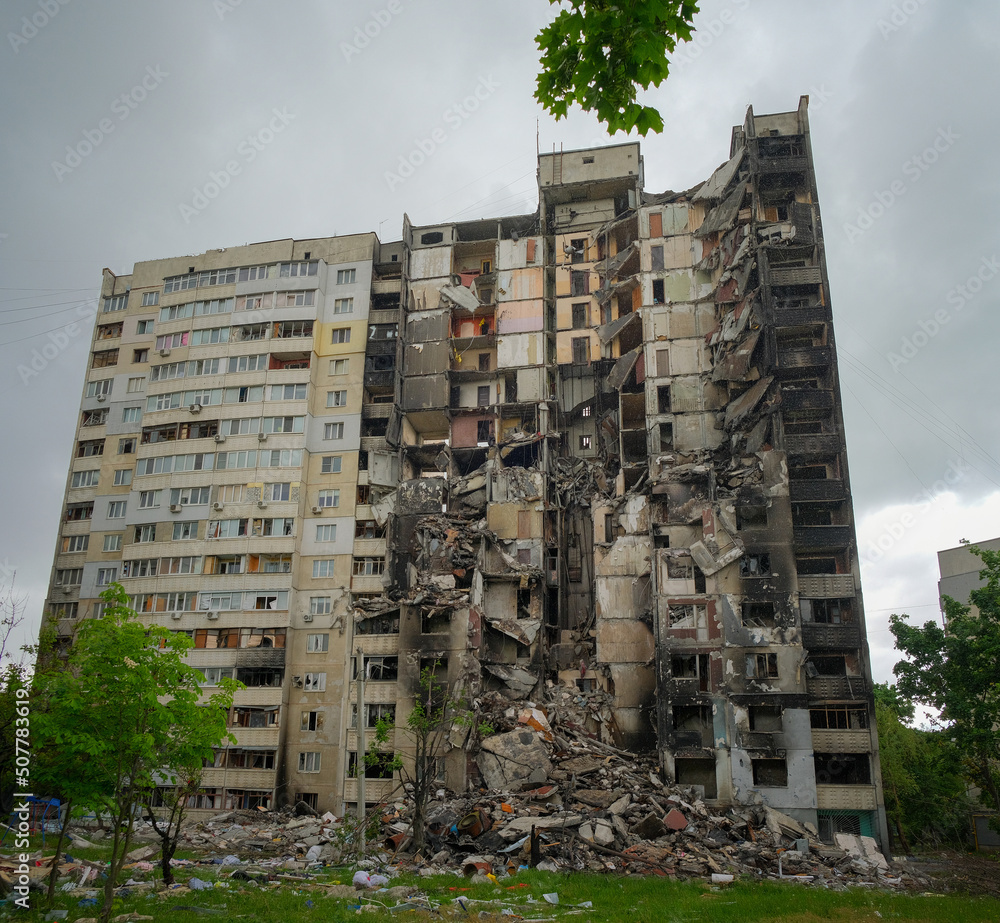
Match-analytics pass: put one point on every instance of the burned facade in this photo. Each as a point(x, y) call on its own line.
point(596, 449)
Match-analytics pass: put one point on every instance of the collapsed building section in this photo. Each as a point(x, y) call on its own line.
point(625, 411)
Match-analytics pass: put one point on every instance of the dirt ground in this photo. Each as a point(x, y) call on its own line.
point(970, 873)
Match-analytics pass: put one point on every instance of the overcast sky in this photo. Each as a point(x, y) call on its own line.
point(115, 116)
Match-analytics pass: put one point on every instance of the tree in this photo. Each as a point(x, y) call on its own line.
point(921, 774)
point(120, 716)
point(183, 759)
point(598, 53)
point(955, 670)
point(14, 678)
point(436, 712)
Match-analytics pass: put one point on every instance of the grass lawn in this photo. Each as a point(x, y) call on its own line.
point(626, 898)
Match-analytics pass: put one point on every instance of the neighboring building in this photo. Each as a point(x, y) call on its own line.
point(600, 447)
point(959, 569)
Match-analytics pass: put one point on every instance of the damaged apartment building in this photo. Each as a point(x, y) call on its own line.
point(595, 449)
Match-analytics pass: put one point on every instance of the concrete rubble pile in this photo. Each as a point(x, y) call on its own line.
point(557, 798)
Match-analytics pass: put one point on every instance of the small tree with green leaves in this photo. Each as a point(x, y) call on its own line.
point(183, 761)
point(123, 713)
point(437, 711)
point(598, 53)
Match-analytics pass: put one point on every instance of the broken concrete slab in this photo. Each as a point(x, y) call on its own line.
point(508, 761)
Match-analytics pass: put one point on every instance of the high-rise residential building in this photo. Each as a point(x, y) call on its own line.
point(596, 448)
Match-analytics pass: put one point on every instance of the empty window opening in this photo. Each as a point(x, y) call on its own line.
point(697, 772)
point(693, 726)
point(663, 398)
point(770, 773)
point(435, 621)
point(765, 718)
point(842, 769)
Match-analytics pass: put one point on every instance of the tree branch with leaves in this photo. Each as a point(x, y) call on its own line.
point(599, 53)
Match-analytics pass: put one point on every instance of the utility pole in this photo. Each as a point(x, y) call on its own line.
point(360, 761)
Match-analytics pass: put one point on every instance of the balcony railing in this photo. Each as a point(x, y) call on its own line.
point(815, 635)
point(825, 489)
point(822, 537)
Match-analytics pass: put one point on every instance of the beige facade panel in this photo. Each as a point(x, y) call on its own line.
point(846, 797)
point(841, 741)
point(520, 284)
point(520, 349)
point(430, 263)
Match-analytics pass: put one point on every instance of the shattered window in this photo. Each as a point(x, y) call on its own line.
point(760, 615)
point(378, 625)
point(380, 669)
point(382, 768)
point(839, 718)
point(311, 721)
point(827, 611)
point(755, 565)
point(762, 666)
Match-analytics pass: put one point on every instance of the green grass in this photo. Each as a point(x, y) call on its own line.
point(635, 899)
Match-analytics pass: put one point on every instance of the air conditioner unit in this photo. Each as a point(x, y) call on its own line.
point(261, 505)
point(218, 505)
point(176, 615)
point(67, 589)
point(262, 437)
point(219, 437)
point(102, 398)
point(213, 615)
point(164, 352)
point(195, 408)
point(307, 617)
point(296, 680)
point(175, 507)
point(317, 509)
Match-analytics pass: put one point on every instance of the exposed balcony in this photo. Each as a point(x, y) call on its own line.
point(260, 657)
point(804, 357)
point(805, 399)
point(846, 797)
point(816, 635)
point(788, 164)
point(383, 379)
point(796, 275)
point(851, 688)
point(829, 489)
point(846, 741)
point(822, 537)
point(380, 347)
point(376, 411)
point(817, 444)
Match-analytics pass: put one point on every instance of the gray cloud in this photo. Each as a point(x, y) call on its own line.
point(885, 79)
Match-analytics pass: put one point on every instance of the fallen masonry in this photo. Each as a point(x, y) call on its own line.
point(574, 804)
